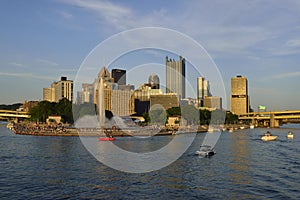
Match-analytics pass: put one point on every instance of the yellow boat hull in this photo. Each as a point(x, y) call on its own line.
point(269, 138)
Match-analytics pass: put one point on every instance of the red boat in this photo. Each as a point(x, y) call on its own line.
point(106, 139)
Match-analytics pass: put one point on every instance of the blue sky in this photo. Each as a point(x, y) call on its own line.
point(43, 40)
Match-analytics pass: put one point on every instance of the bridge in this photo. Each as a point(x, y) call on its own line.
point(11, 114)
point(271, 119)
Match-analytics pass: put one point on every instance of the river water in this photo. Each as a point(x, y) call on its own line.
point(35, 167)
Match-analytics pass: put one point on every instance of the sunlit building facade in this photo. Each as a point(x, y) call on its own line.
point(175, 76)
point(239, 100)
point(59, 90)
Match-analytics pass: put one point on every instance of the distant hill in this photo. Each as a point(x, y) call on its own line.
point(10, 107)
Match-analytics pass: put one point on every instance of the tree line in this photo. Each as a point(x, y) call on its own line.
point(44, 109)
point(10, 107)
point(192, 115)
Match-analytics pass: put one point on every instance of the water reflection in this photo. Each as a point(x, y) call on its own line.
point(240, 164)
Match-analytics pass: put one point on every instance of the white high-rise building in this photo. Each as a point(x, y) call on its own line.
point(108, 97)
point(59, 90)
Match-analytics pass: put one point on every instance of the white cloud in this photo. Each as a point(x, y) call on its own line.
point(114, 14)
point(286, 75)
point(47, 62)
point(293, 43)
point(220, 27)
point(65, 15)
point(17, 64)
point(27, 75)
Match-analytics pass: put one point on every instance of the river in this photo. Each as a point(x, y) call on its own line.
point(245, 167)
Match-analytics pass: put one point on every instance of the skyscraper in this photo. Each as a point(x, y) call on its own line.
point(153, 81)
point(59, 90)
point(119, 75)
point(213, 102)
point(108, 97)
point(175, 76)
point(202, 90)
point(239, 100)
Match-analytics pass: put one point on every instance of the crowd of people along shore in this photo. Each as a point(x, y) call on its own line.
point(31, 128)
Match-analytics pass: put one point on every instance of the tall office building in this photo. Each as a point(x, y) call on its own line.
point(108, 82)
point(202, 90)
point(107, 96)
point(165, 100)
point(153, 81)
point(48, 94)
point(213, 102)
point(59, 90)
point(239, 100)
point(175, 76)
point(119, 76)
point(142, 98)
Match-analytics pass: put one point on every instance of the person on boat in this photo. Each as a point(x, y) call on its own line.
point(268, 133)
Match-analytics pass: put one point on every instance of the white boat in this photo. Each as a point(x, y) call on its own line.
point(205, 151)
point(251, 126)
point(10, 125)
point(269, 137)
point(242, 127)
point(230, 130)
point(210, 130)
point(290, 135)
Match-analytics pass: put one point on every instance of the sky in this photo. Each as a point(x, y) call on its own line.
point(44, 40)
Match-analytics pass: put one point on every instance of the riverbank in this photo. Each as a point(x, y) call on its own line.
point(38, 129)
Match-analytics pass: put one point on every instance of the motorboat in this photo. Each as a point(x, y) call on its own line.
point(230, 130)
point(251, 126)
point(10, 125)
point(205, 151)
point(269, 137)
point(106, 138)
point(290, 135)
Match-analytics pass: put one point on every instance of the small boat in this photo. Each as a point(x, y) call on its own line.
point(290, 135)
point(205, 151)
point(106, 139)
point(269, 137)
point(242, 127)
point(10, 125)
point(251, 126)
point(230, 130)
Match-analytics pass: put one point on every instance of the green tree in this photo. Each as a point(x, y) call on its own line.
point(158, 116)
point(80, 110)
point(42, 110)
point(146, 117)
point(190, 113)
point(217, 117)
point(205, 116)
point(231, 118)
point(64, 109)
point(10, 107)
point(174, 111)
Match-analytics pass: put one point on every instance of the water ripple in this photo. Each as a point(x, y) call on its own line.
point(60, 168)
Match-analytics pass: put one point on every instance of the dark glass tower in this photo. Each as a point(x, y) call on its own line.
point(119, 76)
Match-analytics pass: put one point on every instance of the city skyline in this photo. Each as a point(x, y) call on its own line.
point(43, 41)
